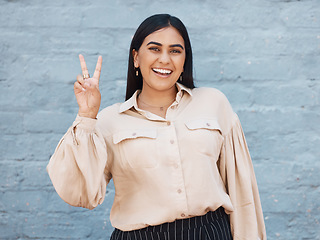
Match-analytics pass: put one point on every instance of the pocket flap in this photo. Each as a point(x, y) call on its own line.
point(132, 134)
point(203, 123)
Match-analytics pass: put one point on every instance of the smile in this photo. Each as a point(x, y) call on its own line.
point(162, 71)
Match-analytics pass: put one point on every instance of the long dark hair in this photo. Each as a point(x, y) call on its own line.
point(148, 26)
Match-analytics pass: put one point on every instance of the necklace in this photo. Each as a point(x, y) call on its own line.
point(161, 108)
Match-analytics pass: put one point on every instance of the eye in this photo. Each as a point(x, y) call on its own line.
point(175, 51)
point(156, 49)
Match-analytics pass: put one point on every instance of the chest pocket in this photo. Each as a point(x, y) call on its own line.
point(138, 148)
point(205, 136)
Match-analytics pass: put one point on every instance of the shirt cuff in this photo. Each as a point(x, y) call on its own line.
point(85, 123)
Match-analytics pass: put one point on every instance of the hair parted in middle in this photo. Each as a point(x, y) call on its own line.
point(148, 26)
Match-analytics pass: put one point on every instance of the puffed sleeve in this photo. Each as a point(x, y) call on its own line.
point(237, 172)
point(77, 168)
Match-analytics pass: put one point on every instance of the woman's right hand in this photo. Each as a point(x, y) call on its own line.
point(87, 90)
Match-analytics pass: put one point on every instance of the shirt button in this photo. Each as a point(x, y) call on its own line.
point(176, 166)
point(172, 141)
point(172, 107)
point(208, 124)
point(183, 215)
point(133, 134)
point(168, 123)
point(179, 191)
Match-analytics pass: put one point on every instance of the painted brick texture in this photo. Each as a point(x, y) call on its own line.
point(263, 54)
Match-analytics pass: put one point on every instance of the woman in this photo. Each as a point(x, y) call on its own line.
point(176, 153)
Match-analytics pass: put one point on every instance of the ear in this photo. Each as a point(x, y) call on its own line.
point(135, 58)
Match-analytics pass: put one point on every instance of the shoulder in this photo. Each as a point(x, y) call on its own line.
point(109, 111)
point(211, 96)
point(108, 117)
point(216, 104)
point(210, 93)
point(206, 90)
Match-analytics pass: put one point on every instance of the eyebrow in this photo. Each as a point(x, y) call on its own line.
point(159, 44)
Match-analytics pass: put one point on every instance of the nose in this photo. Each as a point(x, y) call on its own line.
point(164, 57)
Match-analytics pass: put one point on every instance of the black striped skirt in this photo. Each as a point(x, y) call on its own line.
point(212, 226)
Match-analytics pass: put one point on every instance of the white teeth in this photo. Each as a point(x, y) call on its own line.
point(162, 71)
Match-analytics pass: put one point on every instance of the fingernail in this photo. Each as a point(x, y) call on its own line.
point(83, 89)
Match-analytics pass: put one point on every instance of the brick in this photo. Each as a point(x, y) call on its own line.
point(46, 121)
point(307, 19)
point(8, 226)
point(11, 175)
point(11, 122)
point(11, 147)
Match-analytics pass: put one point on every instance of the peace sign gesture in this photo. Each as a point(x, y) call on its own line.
point(87, 91)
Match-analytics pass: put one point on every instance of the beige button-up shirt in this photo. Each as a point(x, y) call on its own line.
point(190, 162)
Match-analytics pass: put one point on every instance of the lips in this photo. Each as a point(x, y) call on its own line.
point(162, 71)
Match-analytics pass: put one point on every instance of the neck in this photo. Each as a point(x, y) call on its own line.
point(158, 98)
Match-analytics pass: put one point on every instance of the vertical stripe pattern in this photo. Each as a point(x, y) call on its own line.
point(212, 226)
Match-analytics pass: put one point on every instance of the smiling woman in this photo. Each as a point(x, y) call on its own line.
point(176, 153)
point(152, 25)
point(161, 60)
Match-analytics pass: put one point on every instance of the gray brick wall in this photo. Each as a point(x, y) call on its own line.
point(263, 54)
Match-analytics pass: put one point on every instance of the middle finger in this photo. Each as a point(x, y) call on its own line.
point(84, 68)
point(98, 68)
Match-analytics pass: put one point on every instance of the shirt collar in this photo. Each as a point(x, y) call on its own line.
point(132, 102)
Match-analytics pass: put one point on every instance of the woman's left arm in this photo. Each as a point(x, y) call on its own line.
point(237, 172)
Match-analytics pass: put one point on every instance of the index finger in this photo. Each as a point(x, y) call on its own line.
point(97, 71)
point(83, 66)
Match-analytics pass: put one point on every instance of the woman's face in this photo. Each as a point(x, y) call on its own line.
point(161, 59)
